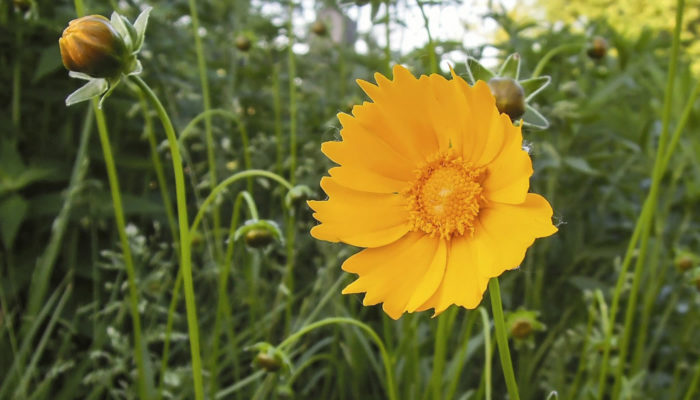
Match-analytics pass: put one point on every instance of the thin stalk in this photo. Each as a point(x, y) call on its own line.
point(168, 333)
point(17, 83)
point(231, 180)
point(292, 69)
point(693, 384)
point(387, 38)
point(202, 67)
point(452, 389)
point(224, 272)
point(502, 339)
point(439, 359)
point(158, 166)
point(45, 263)
point(185, 244)
point(432, 59)
point(657, 176)
point(126, 249)
point(487, 352)
point(574, 388)
point(241, 128)
point(550, 54)
point(390, 386)
point(277, 109)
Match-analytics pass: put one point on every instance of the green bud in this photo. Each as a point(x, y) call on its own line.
point(510, 96)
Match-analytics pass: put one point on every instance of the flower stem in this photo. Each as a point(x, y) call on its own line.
point(502, 339)
point(431, 45)
point(652, 198)
point(126, 250)
point(206, 98)
point(277, 107)
point(390, 386)
point(439, 358)
point(487, 353)
point(550, 54)
point(185, 245)
point(387, 37)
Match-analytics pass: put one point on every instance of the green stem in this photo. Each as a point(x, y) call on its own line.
point(277, 109)
point(17, 83)
point(229, 181)
point(431, 45)
point(185, 245)
point(241, 128)
point(502, 339)
point(292, 97)
point(202, 67)
point(487, 352)
point(390, 387)
point(168, 333)
point(387, 38)
point(158, 167)
point(126, 249)
point(550, 54)
point(652, 197)
point(461, 356)
point(439, 358)
point(694, 383)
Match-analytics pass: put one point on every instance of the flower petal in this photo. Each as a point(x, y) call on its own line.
point(508, 230)
point(466, 276)
point(509, 172)
point(401, 275)
point(401, 105)
point(359, 218)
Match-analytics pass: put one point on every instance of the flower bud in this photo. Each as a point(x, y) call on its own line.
point(243, 43)
point(510, 96)
point(598, 48)
point(319, 28)
point(258, 237)
point(268, 362)
point(684, 261)
point(521, 329)
point(92, 46)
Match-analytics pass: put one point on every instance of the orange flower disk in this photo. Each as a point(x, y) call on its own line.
point(433, 182)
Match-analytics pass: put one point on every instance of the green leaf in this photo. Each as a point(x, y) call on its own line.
point(477, 72)
point(12, 212)
point(580, 165)
point(94, 87)
point(534, 119)
point(49, 61)
point(510, 67)
point(533, 86)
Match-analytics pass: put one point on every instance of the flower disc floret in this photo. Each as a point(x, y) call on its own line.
point(446, 196)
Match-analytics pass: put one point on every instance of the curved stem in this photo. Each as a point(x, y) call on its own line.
point(502, 339)
point(241, 128)
point(391, 389)
point(185, 245)
point(126, 249)
point(206, 98)
point(431, 45)
point(230, 180)
point(550, 54)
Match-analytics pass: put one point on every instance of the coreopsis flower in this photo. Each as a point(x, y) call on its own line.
point(101, 51)
point(433, 183)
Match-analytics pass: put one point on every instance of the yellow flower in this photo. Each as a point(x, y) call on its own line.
point(433, 182)
point(92, 46)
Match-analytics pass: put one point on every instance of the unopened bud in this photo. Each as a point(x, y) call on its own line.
point(92, 46)
point(268, 362)
point(319, 28)
point(521, 329)
point(243, 43)
point(510, 96)
point(598, 48)
point(258, 237)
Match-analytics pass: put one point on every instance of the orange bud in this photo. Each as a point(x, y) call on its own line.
point(92, 46)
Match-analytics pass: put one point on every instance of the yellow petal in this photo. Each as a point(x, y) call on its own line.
point(401, 275)
point(508, 230)
point(359, 218)
point(508, 178)
point(466, 276)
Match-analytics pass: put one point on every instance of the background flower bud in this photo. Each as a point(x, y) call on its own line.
point(92, 46)
point(598, 48)
point(510, 96)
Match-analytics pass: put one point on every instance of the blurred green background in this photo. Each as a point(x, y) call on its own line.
point(593, 164)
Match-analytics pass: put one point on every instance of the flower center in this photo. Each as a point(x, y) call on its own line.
point(446, 196)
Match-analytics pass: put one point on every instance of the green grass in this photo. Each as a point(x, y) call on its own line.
point(85, 282)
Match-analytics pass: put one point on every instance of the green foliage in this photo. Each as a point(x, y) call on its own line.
point(593, 163)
